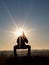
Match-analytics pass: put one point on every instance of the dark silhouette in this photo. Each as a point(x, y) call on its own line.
point(21, 40)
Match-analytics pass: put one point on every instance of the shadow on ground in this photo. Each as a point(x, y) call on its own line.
point(27, 60)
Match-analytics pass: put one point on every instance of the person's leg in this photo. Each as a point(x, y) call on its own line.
point(29, 49)
point(15, 47)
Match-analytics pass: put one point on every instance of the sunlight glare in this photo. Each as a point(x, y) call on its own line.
point(19, 32)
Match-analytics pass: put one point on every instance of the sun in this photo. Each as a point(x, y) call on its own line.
point(19, 32)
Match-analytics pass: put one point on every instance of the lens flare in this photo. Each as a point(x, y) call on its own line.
point(18, 32)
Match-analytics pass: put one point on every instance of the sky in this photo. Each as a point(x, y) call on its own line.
point(31, 15)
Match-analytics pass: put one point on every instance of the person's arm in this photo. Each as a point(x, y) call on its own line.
point(17, 40)
point(26, 40)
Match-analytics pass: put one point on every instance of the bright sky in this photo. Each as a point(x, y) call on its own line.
point(30, 15)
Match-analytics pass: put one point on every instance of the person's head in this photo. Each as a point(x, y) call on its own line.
point(22, 32)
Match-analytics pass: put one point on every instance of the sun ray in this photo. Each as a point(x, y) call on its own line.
point(8, 31)
point(13, 21)
point(22, 27)
point(31, 30)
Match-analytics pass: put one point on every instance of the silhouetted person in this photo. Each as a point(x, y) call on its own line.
point(21, 40)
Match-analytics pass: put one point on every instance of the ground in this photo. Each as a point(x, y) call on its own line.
point(35, 58)
point(25, 60)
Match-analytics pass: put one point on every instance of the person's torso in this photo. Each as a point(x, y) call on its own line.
point(21, 41)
